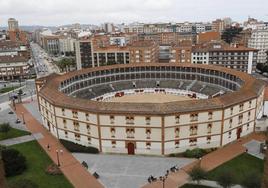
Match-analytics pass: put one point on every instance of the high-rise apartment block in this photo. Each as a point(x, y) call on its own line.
point(217, 53)
point(259, 41)
point(13, 24)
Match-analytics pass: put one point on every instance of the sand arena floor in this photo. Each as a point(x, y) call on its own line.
point(150, 98)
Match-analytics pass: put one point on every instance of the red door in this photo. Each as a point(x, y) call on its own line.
point(131, 148)
point(238, 132)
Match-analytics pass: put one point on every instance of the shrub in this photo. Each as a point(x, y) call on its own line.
point(4, 127)
point(73, 147)
point(23, 183)
point(197, 174)
point(251, 180)
point(14, 162)
point(225, 179)
point(53, 169)
point(195, 153)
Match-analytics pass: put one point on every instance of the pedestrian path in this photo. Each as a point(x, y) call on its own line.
point(71, 168)
point(208, 162)
point(213, 184)
point(21, 139)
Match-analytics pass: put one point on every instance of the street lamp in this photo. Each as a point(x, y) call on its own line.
point(164, 178)
point(31, 92)
point(23, 120)
point(58, 158)
point(14, 104)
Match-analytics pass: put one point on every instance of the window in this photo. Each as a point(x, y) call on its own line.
point(231, 111)
point(129, 120)
point(193, 142)
point(193, 130)
point(148, 145)
point(112, 130)
point(209, 128)
point(249, 104)
point(229, 134)
point(249, 114)
point(64, 123)
point(112, 119)
point(87, 117)
point(177, 119)
point(210, 114)
point(177, 144)
point(130, 132)
point(241, 107)
point(193, 117)
point(63, 111)
point(77, 137)
point(66, 134)
point(89, 140)
point(148, 120)
point(230, 123)
point(113, 143)
point(208, 139)
point(148, 133)
point(75, 114)
point(240, 119)
point(177, 132)
point(88, 129)
point(76, 126)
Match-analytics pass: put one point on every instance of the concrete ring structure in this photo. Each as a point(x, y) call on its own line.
point(223, 107)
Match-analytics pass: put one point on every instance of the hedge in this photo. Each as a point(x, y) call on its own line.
point(73, 147)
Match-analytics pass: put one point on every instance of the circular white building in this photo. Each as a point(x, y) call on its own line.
point(150, 108)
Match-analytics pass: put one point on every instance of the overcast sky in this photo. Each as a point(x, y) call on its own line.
point(59, 12)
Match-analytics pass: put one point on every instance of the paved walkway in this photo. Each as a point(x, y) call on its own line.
point(213, 184)
point(21, 139)
point(70, 167)
point(208, 162)
point(117, 171)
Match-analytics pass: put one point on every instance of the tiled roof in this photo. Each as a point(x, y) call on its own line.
point(12, 59)
point(251, 89)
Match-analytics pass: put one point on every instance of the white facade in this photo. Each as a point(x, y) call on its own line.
point(259, 41)
point(208, 129)
point(66, 45)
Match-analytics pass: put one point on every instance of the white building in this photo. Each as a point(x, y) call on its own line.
point(66, 45)
point(259, 41)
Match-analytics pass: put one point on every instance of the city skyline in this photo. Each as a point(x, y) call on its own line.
point(51, 13)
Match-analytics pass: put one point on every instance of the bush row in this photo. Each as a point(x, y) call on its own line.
point(73, 147)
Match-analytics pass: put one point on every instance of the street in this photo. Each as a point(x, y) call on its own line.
point(42, 61)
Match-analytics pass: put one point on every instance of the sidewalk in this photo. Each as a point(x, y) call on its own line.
point(213, 184)
point(21, 139)
point(208, 162)
point(71, 168)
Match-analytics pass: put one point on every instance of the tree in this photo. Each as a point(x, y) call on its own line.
point(260, 66)
point(225, 179)
point(4, 127)
point(251, 180)
point(65, 64)
point(265, 68)
point(230, 33)
point(197, 174)
point(14, 162)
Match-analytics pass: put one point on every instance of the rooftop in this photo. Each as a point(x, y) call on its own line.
point(251, 89)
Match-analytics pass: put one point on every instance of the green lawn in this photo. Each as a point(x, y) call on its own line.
point(7, 89)
point(37, 161)
point(194, 186)
point(13, 133)
point(239, 167)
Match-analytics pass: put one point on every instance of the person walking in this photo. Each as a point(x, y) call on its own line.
point(48, 147)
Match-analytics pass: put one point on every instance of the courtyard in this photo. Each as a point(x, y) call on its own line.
point(117, 171)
